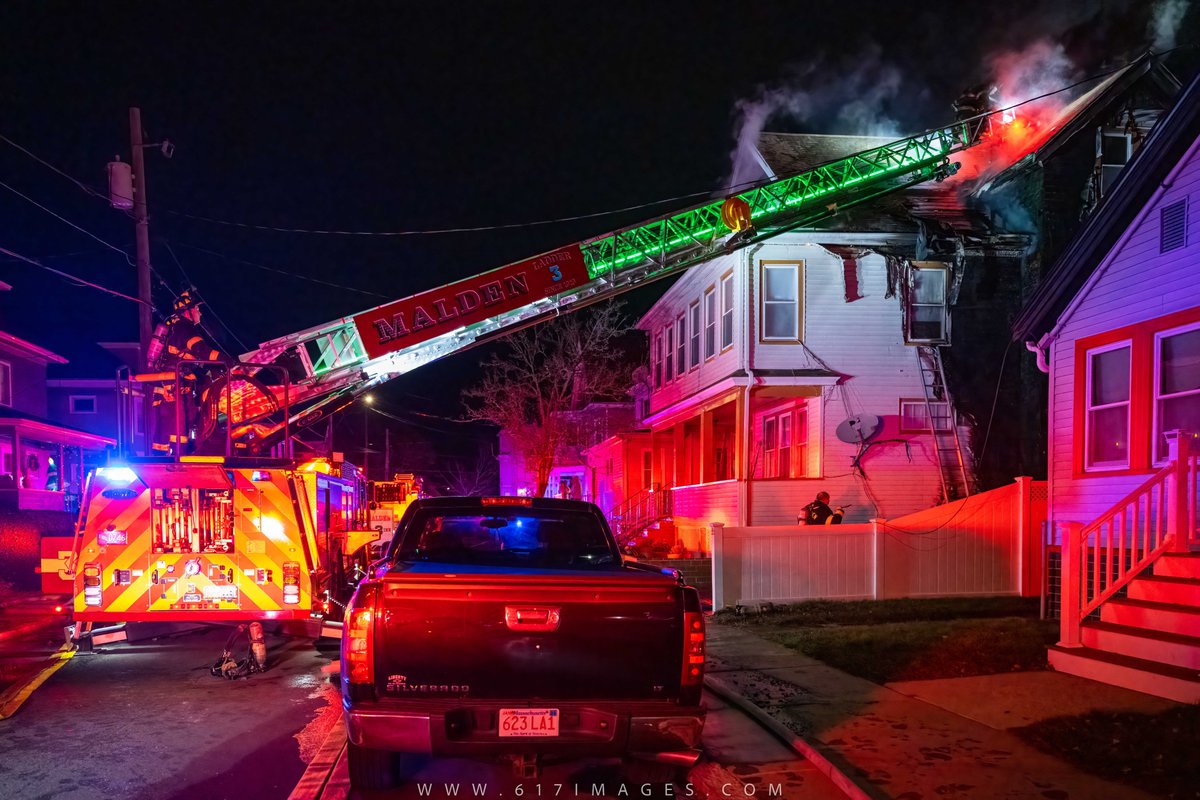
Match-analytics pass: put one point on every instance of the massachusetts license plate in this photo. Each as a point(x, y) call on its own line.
point(517, 722)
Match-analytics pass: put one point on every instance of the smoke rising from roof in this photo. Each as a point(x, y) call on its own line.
point(1164, 22)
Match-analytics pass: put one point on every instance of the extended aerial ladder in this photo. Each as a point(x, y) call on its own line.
point(329, 365)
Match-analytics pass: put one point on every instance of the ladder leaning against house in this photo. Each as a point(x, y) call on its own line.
point(943, 425)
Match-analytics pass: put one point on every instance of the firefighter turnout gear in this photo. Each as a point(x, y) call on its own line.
point(183, 340)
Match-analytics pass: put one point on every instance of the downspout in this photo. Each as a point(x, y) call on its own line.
point(747, 424)
point(1041, 350)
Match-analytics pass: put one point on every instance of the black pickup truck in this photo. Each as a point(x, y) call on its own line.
point(510, 627)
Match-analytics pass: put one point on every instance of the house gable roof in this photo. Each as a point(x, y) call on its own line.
point(1136, 185)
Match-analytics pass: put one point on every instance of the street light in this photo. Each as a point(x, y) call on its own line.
point(367, 400)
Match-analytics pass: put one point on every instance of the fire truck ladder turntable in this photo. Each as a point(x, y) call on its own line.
point(335, 361)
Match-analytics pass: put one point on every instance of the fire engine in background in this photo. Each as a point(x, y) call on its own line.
point(388, 501)
point(252, 534)
point(199, 539)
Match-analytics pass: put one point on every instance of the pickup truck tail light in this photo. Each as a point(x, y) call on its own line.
point(360, 651)
point(693, 648)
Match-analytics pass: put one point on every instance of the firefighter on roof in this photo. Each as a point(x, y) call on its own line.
point(180, 338)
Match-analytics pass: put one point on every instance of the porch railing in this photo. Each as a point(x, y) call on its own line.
point(639, 511)
point(1157, 517)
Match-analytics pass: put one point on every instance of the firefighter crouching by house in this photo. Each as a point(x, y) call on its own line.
point(818, 512)
point(180, 338)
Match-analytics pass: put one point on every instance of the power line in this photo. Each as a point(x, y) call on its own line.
point(79, 281)
point(191, 283)
point(63, 219)
point(279, 271)
point(72, 179)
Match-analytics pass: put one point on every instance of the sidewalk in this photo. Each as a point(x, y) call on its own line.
point(916, 740)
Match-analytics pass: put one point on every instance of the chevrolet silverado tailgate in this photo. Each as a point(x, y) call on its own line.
point(531, 634)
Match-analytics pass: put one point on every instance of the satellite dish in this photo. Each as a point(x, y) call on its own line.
point(858, 428)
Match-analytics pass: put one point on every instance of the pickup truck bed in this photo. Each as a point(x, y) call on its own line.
point(512, 628)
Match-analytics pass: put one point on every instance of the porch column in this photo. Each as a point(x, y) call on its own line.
point(739, 437)
point(706, 447)
point(1071, 602)
point(1179, 518)
point(679, 450)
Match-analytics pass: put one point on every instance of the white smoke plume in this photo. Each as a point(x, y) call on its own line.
point(852, 102)
point(1164, 23)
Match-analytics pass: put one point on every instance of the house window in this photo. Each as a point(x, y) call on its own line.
point(781, 302)
point(5, 383)
point(770, 448)
point(927, 305)
point(1116, 148)
point(785, 444)
point(694, 330)
point(658, 359)
point(710, 323)
point(1106, 422)
point(800, 444)
point(1172, 227)
point(1176, 385)
point(681, 344)
point(727, 311)
point(914, 416)
point(669, 370)
point(647, 468)
point(83, 404)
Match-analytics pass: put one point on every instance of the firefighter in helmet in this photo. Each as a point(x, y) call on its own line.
point(180, 338)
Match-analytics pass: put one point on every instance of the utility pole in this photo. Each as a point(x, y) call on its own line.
point(142, 219)
point(387, 453)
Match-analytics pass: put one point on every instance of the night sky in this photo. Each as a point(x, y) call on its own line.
point(394, 117)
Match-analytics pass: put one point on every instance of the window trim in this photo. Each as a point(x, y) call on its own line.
point(6, 383)
point(710, 323)
point(933, 266)
point(798, 265)
point(669, 373)
point(921, 402)
point(681, 365)
point(656, 361)
point(694, 321)
point(797, 448)
point(1155, 397)
point(727, 310)
point(1088, 408)
point(71, 403)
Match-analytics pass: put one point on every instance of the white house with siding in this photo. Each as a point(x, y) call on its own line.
point(758, 357)
point(1118, 321)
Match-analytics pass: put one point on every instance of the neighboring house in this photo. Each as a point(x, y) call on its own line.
point(82, 393)
point(1118, 321)
point(815, 361)
point(42, 462)
point(582, 428)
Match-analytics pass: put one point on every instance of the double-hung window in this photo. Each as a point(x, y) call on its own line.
point(780, 302)
point(727, 311)
point(681, 344)
point(5, 383)
point(927, 305)
point(694, 331)
point(710, 323)
point(770, 447)
point(658, 361)
point(1106, 424)
point(1176, 385)
point(669, 369)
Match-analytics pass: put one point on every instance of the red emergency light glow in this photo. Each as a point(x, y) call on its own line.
point(508, 501)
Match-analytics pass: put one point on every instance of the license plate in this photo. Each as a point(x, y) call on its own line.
point(522, 722)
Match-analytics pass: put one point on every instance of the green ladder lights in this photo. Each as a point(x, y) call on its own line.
point(336, 361)
point(701, 226)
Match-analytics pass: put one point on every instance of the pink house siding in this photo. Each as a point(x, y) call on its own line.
point(1134, 284)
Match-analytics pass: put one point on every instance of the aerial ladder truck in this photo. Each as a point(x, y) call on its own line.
point(238, 530)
